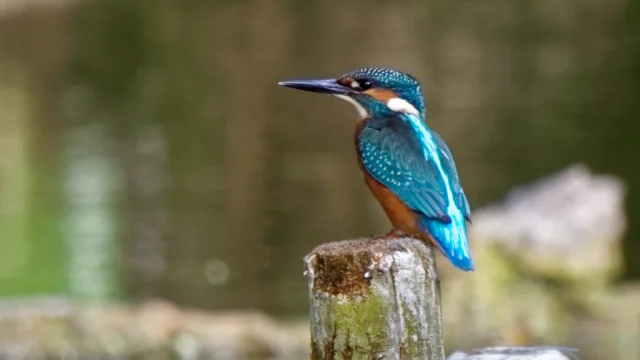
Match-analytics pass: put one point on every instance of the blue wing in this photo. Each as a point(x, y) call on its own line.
point(401, 154)
point(446, 159)
point(392, 153)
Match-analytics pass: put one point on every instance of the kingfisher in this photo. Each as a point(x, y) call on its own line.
point(407, 166)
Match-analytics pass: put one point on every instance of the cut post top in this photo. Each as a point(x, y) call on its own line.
point(346, 267)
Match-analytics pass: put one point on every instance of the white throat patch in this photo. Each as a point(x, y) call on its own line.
point(361, 111)
point(403, 106)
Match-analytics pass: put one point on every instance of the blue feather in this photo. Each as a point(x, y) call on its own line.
point(415, 164)
point(452, 239)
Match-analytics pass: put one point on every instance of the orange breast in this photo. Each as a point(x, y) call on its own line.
point(401, 217)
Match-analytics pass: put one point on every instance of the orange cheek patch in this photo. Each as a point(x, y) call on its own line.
point(381, 95)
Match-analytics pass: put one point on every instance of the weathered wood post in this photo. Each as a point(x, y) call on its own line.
point(374, 299)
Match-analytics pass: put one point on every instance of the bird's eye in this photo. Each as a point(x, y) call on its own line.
point(357, 85)
point(365, 84)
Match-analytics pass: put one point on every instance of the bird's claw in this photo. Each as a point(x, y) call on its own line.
point(390, 235)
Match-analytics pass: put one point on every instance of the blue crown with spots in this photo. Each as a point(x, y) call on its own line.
point(404, 85)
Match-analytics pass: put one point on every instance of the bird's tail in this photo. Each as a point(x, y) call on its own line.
point(451, 238)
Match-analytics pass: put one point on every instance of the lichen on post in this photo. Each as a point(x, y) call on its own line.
point(374, 299)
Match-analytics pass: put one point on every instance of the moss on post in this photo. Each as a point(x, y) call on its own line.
point(374, 299)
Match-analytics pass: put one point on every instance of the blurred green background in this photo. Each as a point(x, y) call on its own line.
point(147, 152)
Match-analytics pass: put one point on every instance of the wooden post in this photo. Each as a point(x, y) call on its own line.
point(374, 299)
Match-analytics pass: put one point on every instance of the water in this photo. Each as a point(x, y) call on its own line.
point(211, 182)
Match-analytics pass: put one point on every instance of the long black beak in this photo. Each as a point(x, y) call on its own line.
point(322, 86)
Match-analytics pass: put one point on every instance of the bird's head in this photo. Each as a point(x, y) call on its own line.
point(373, 91)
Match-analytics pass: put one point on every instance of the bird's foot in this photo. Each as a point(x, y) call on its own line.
point(394, 233)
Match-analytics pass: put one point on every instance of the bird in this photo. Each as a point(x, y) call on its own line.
point(407, 166)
